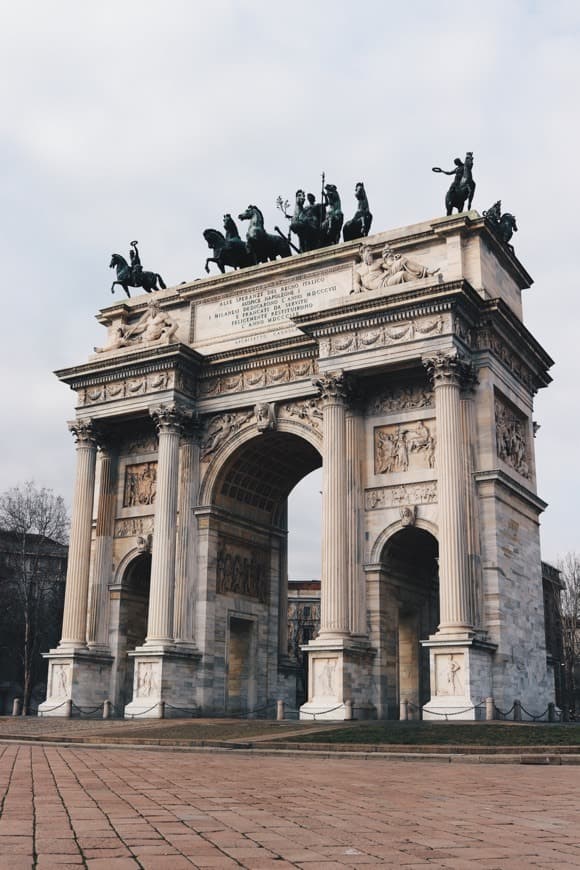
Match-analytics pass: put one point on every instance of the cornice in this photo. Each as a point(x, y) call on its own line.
point(500, 478)
point(129, 364)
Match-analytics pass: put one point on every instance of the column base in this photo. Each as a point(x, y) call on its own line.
point(80, 675)
point(461, 678)
point(339, 680)
point(164, 674)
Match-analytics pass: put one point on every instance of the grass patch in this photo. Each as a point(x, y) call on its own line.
point(446, 734)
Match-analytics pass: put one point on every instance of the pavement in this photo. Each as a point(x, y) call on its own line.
point(117, 808)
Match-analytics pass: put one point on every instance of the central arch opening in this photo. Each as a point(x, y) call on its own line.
point(411, 600)
point(261, 659)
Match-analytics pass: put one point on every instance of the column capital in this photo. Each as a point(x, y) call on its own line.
point(334, 388)
point(84, 432)
point(447, 368)
point(170, 418)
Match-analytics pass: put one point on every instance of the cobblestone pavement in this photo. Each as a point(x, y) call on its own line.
point(119, 808)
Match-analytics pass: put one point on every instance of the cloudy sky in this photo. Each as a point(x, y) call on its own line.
point(125, 120)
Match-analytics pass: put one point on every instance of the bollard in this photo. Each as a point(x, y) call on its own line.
point(107, 708)
point(517, 710)
point(17, 706)
point(161, 710)
point(551, 712)
point(348, 710)
point(67, 708)
point(404, 710)
point(279, 710)
point(489, 709)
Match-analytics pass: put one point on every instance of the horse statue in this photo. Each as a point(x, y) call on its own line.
point(133, 275)
point(360, 225)
point(228, 250)
point(332, 224)
point(462, 187)
point(262, 246)
point(504, 225)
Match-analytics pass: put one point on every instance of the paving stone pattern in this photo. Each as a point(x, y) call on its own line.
point(118, 808)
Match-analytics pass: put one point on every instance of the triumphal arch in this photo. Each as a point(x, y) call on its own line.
point(404, 369)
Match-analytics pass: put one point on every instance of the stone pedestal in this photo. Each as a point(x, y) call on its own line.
point(338, 672)
point(163, 675)
point(82, 677)
point(461, 679)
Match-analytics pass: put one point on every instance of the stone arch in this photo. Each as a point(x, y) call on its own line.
point(220, 459)
point(390, 530)
point(132, 579)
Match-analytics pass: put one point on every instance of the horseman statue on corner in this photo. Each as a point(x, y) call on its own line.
point(133, 275)
point(462, 187)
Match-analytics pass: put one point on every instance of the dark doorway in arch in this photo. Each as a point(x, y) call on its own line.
point(248, 532)
point(410, 571)
point(133, 613)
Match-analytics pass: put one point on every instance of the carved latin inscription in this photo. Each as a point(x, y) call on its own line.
point(140, 484)
point(512, 437)
point(404, 447)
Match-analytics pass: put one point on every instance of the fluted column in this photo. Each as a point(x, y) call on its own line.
point(161, 594)
point(356, 579)
point(97, 620)
point(186, 557)
point(472, 506)
point(74, 623)
point(334, 593)
point(455, 618)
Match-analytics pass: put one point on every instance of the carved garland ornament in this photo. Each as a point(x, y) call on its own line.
point(255, 378)
point(384, 336)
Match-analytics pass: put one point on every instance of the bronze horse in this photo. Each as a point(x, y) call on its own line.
point(463, 185)
point(228, 250)
point(130, 277)
point(262, 246)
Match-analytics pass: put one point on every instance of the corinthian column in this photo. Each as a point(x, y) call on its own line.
point(186, 558)
point(446, 370)
point(74, 623)
point(160, 620)
point(97, 621)
point(356, 580)
point(472, 506)
point(334, 592)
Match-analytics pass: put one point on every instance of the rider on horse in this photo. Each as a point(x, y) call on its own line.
point(136, 267)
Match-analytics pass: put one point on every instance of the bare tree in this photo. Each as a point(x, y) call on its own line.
point(34, 525)
point(569, 568)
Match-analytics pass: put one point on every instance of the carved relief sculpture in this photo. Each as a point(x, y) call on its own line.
point(395, 496)
point(403, 447)
point(389, 270)
point(265, 414)
point(140, 484)
point(155, 326)
point(511, 438)
point(307, 412)
point(219, 428)
point(402, 399)
point(241, 572)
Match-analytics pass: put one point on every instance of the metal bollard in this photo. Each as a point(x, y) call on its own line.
point(517, 710)
point(107, 709)
point(348, 710)
point(489, 709)
point(551, 712)
point(161, 710)
point(17, 706)
point(67, 708)
point(404, 710)
point(280, 711)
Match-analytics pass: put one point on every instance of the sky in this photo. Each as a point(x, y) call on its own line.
point(148, 121)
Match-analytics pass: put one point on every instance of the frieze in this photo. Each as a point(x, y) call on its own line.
point(140, 484)
point(397, 399)
point(242, 571)
point(253, 379)
point(219, 428)
point(128, 387)
point(385, 336)
point(402, 494)
point(134, 527)
point(488, 340)
point(143, 444)
point(404, 447)
point(512, 437)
